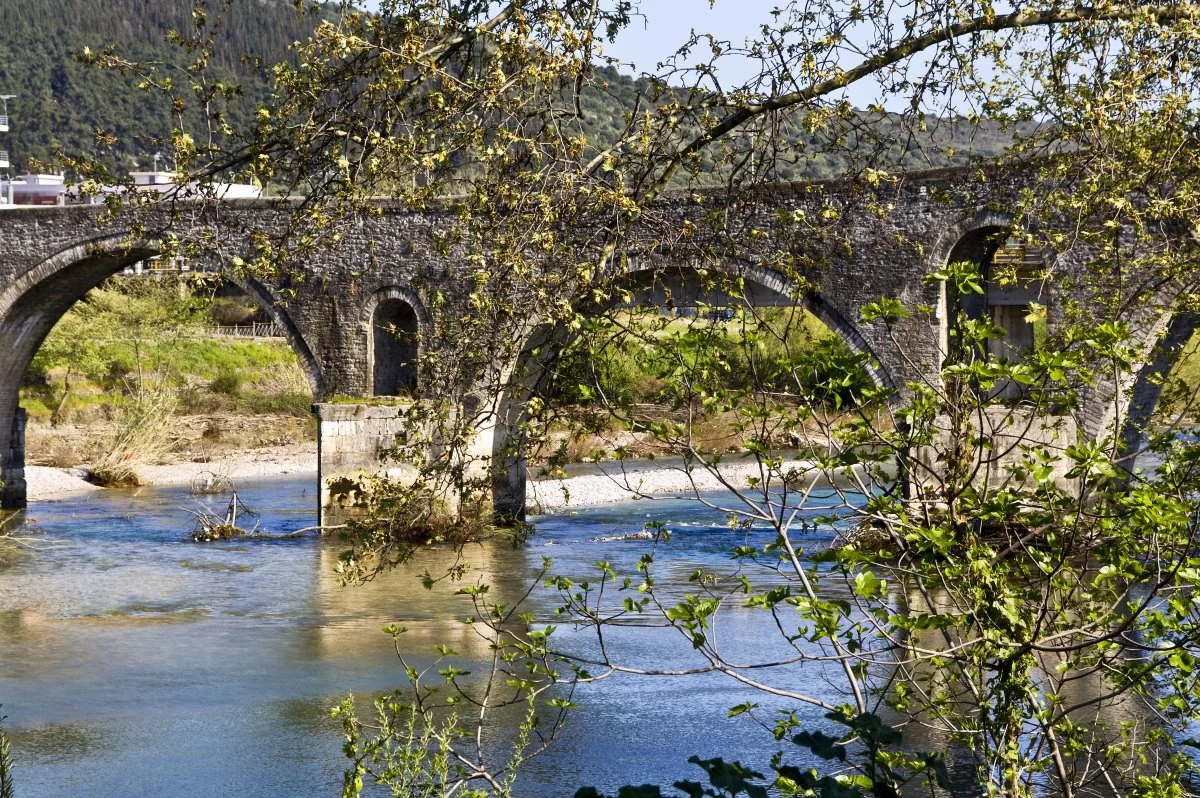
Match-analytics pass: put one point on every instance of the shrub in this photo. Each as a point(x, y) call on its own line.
point(231, 311)
point(143, 435)
point(227, 383)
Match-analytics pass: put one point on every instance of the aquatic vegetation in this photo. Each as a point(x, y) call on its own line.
point(7, 783)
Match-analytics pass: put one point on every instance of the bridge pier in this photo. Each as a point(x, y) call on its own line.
point(352, 441)
point(12, 468)
point(509, 482)
point(1011, 435)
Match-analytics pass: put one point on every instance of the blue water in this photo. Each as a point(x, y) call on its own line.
point(136, 662)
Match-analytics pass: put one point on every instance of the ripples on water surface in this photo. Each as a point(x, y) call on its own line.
point(135, 662)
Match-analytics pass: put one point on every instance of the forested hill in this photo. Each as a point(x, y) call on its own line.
point(62, 102)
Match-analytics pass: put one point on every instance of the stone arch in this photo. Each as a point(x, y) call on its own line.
point(393, 318)
point(508, 468)
point(952, 238)
point(976, 239)
point(1130, 418)
point(33, 303)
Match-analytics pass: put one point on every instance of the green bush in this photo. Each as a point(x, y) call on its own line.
point(226, 383)
point(231, 311)
point(654, 358)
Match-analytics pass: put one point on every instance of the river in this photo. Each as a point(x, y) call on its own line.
point(136, 662)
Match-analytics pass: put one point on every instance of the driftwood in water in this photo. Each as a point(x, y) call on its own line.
point(211, 526)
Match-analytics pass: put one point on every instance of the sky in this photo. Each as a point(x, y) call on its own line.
point(666, 24)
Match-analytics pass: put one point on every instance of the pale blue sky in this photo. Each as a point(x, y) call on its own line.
point(666, 24)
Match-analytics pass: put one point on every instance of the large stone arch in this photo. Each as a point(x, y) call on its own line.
point(770, 288)
point(33, 303)
point(1132, 407)
point(509, 473)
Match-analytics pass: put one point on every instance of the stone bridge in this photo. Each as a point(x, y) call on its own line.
point(387, 270)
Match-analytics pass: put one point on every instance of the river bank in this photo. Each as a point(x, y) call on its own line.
point(582, 485)
point(46, 483)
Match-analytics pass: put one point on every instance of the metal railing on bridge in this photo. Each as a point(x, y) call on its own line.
point(164, 266)
point(3, 123)
point(265, 329)
point(4, 159)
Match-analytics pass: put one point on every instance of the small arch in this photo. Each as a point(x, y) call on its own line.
point(985, 241)
point(394, 321)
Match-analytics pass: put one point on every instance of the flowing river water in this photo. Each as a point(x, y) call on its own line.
point(136, 662)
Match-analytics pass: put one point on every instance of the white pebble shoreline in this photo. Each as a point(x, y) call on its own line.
point(642, 478)
point(642, 481)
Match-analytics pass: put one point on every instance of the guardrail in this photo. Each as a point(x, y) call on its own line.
point(264, 329)
point(3, 159)
point(3, 123)
point(164, 266)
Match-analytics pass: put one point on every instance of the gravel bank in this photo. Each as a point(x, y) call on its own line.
point(253, 464)
point(48, 484)
point(613, 484)
point(604, 484)
point(44, 483)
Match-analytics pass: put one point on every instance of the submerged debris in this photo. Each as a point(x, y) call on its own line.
point(644, 535)
point(210, 526)
point(867, 536)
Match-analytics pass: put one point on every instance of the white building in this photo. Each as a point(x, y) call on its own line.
point(42, 189)
point(165, 181)
point(35, 189)
point(4, 129)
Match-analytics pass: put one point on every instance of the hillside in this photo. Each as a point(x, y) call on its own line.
point(60, 102)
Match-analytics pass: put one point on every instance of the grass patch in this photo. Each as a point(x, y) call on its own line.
point(11, 553)
point(1179, 394)
point(210, 358)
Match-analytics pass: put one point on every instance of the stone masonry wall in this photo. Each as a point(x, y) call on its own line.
point(12, 471)
point(891, 236)
point(352, 439)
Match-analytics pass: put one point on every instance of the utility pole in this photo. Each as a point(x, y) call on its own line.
point(4, 158)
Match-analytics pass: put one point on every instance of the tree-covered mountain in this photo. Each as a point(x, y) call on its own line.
point(63, 103)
